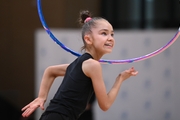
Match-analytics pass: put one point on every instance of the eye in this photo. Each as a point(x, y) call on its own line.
point(103, 33)
point(112, 34)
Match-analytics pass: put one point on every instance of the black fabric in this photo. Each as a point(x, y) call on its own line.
point(53, 116)
point(88, 113)
point(74, 92)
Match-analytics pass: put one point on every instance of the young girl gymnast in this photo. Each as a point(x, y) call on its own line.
point(82, 77)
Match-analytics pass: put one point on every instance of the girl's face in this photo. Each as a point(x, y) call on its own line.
point(102, 37)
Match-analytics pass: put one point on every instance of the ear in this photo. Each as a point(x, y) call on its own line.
point(88, 39)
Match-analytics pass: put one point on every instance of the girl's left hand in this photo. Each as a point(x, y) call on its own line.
point(128, 73)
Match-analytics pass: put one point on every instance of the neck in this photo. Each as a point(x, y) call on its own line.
point(94, 55)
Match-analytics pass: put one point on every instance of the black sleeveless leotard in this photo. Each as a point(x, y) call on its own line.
point(74, 92)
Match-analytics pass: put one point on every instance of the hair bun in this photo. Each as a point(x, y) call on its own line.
point(83, 15)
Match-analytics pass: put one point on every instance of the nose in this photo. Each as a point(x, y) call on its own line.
point(111, 38)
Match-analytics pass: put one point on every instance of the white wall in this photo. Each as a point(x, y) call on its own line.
point(152, 95)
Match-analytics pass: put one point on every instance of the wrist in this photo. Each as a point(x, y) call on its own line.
point(42, 98)
point(120, 78)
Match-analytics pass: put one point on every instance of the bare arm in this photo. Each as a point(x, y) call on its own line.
point(49, 76)
point(93, 69)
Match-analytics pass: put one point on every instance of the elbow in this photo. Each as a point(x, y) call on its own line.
point(48, 68)
point(104, 104)
point(49, 71)
point(104, 107)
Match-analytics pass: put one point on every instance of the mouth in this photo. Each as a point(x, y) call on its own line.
point(109, 44)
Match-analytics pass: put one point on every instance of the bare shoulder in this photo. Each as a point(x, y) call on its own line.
point(91, 63)
point(90, 66)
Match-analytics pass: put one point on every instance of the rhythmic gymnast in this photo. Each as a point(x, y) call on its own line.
point(82, 77)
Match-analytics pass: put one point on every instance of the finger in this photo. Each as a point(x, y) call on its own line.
point(132, 69)
point(134, 73)
point(24, 108)
point(28, 112)
point(42, 106)
point(24, 114)
point(128, 71)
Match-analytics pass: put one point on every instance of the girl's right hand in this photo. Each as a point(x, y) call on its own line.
point(128, 73)
point(31, 107)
